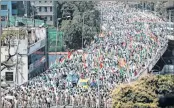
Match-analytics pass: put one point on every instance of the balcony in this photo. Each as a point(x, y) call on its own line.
point(45, 13)
point(36, 46)
point(37, 39)
point(43, 4)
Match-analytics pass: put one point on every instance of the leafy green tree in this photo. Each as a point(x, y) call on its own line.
point(143, 93)
point(72, 27)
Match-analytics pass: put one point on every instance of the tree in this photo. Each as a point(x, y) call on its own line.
point(8, 36)
point(144, 92)
point(73, 28)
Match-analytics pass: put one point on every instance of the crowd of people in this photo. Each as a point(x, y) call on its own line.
point(129, 40)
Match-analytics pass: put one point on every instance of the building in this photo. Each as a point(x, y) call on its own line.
point(46, 9)
point(170, 10)
point(8, 9)
point(30, 59)
point(27, 8)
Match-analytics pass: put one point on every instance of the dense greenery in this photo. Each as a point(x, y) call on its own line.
point(144, 93)
point(72, 22)
point(12, 33)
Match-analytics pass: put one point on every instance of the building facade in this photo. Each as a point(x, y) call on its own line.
point(46, 9)
point(27, 8)
point(30, 59)
point(8, 9)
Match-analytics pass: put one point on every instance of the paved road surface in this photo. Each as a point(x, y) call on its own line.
point(34, 106)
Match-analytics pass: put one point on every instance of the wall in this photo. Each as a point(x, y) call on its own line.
point(47, 14)
point(22, 65)
point(14, 8)
point(40, 33)
point(38, 53)
point(4, 13)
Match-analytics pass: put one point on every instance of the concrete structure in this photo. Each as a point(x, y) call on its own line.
point(29, 62)
point(46, 9)
point(8, 8)
point(27, 8)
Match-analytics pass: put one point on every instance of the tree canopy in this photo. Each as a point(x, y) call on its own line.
point(143, 93)
point(72, 22)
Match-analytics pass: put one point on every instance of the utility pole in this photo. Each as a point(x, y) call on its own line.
point(83, 29)
point(33, 9)
point(0, 57)
point(17, 82)
point(56, 37)
point(58, 19)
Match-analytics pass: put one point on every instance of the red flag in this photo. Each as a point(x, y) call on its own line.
point(84, 64)
point(101, 65)
point(122, 63)
point(62, 59)
point(69, 54)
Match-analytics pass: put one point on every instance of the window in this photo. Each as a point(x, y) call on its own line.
point(45, 9)
point(45, 1)
point(50, 9)
point(3, 7)
point(40, 9)
point(50, 1)
point(39, 1)
point(9, 76)
point(14, 6)
point(51, 18)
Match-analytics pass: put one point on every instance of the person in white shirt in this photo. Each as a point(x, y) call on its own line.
point(48, 101)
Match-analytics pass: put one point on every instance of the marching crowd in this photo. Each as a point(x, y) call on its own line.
point(129, 40)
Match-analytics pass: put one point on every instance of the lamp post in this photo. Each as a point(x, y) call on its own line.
point(17, 74)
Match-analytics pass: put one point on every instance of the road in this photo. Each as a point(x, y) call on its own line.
point(34, 106)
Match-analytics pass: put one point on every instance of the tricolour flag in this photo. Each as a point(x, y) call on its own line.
point(122, 62)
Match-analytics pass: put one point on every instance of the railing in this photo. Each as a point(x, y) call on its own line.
point(153, 62)
point(26, 21)
point(36, 46)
